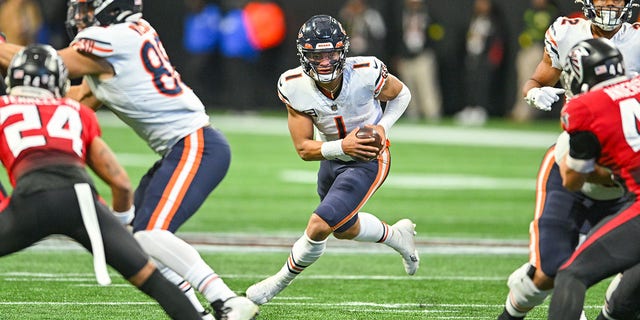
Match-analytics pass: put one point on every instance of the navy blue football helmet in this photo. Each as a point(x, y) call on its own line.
point(319, 38)
point(85, 13)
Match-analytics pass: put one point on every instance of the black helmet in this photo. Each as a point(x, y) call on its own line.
point(589, 63)
point(35, 68)
point(322, 34)
point(105, 12)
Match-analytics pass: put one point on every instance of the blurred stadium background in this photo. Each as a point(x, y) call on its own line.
point(244, 84)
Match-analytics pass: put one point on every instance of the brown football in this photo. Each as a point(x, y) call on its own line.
point(369, 132)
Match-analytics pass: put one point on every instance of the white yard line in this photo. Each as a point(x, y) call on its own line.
point(416, 181)
point(401, 132)
point(252, 243)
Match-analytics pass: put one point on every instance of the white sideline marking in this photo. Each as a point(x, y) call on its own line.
point(428, 181)
point(397, 180)
point(402, 132)
point(420, 307)
point(76, 303)
point(87, 277)
point(434, 310)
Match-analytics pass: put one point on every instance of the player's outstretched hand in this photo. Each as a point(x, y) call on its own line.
point(542, 98)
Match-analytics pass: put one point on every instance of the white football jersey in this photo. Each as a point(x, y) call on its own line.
point(146, 91)
point(565, 32)
point(355, 106)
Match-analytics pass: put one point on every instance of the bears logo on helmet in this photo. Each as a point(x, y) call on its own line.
point(322, 37)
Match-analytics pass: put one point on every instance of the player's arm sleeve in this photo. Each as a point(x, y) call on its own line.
point(551, 38)
point(584, 149)
point(396, 106)
point(387, 87)
point(94, 41)
point(561, 147)
point(283, 97)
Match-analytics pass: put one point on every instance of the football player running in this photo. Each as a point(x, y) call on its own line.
point(605, 19)
point(45, 142)
point(601, 120)
point(126, 68)
point(560, 214)
point(338, 95)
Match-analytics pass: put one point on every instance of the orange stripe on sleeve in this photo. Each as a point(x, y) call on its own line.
point(550, 37)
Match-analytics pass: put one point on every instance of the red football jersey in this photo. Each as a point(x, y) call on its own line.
point(611, 113)
point(31, 124)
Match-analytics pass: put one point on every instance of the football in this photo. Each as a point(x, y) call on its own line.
point(369, 132)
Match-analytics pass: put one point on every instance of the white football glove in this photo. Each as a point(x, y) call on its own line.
point(126, 217)
point(542, 98)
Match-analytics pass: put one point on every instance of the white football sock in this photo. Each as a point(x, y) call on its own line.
point(372, 229)
point(523, 293)
point(184, 285)
point(182, 258)
point(303, 253)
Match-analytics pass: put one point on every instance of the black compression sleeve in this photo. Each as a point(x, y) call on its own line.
point(584, 145)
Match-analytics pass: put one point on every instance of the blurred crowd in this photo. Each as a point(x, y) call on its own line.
point(464, 59)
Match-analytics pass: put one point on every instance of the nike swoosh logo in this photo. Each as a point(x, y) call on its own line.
point(375, 64)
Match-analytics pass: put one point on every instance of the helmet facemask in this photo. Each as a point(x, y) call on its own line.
point(311, 61)
point(607, 18)
point(80, 15)
point(322, 46)
point(85, 13)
